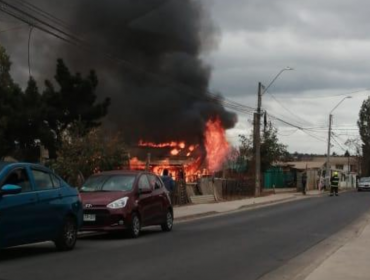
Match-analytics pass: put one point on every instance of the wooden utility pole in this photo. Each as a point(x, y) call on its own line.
point(327, 173)
point(257, 141)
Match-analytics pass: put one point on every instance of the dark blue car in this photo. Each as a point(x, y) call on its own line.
point(37, 205)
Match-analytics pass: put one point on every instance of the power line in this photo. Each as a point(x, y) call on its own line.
point(286, 109)
point(299, 127)
point(328, 96)
point(42, 13)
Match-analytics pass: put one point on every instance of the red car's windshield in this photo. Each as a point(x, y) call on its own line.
point(111, 183)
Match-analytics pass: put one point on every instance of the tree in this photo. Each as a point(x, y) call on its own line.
point(82, 155)
point(364, 127)
point(74, 100)
point(271, 149)
point(10, 104)
point(29, 119)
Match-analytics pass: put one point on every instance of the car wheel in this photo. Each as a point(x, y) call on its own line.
point(168, 225)
point(67, 238)
point(358, 190)
point(135, 226)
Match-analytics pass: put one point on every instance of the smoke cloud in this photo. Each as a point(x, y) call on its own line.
point(161, 37)
point(165, 37)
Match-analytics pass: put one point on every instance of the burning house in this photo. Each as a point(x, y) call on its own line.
point(184, 161)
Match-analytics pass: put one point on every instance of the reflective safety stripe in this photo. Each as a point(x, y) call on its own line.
point(335, 181)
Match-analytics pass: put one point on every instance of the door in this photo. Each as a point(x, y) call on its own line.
point(50, 202)
point(19, 219)
point(158, 198)
point(145, 201)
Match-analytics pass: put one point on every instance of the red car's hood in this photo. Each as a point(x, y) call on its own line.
point(101, 198)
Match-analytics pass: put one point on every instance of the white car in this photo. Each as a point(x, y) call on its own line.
point(364, 184)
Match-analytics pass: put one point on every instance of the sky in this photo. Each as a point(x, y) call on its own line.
point(326, 42)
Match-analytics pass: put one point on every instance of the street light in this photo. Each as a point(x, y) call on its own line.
point(257, 133)
point(327, 175)
point(277, 76)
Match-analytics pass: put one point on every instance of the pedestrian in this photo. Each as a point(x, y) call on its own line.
point(334, 184)
point(304, 182)
point(169, 183)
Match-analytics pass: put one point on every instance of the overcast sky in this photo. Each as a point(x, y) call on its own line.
point(326, 42)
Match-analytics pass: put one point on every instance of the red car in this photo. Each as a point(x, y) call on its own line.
point(125, 200)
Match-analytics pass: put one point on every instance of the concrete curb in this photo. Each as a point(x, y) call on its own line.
point(196, 216)
point(266, 203)
point(241, 208)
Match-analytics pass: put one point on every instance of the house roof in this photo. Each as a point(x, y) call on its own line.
point(302, 165)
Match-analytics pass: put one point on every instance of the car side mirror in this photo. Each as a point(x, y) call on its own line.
point(10, 189)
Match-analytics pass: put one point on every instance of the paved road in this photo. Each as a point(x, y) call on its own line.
point(243, 245)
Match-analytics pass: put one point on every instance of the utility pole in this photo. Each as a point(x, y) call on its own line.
point(327, 173)
point(257, 131)
point(257, 141)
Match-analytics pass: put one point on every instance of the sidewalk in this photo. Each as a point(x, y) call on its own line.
point(351, 261)
point(182, 213)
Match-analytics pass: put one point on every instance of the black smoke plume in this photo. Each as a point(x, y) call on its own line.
point(163, 96)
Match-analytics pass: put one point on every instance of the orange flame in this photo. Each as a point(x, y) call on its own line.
point(175, 152)
point(216, 145)
point(171, 144)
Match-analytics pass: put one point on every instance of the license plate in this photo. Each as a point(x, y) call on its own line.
point(89, 218)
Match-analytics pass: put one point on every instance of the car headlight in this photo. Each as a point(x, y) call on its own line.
point(119, 203)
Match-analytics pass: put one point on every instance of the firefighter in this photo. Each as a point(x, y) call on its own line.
point(334, 184)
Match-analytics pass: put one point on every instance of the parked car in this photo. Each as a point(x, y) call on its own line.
point(37, 205)
point(125, 201)
point(363, 184)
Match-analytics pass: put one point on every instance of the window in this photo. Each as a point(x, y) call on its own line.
point(339, 166)
point(20, 178)
point(154, 181)
point(42, 180)
point(55, 180)
point(113, 183)
point(144, 183)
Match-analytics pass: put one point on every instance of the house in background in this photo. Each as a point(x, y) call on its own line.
point(348, 169)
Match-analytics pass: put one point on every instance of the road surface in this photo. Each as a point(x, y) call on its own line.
point(243, 245)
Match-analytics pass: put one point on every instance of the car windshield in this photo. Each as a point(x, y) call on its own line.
point(365, 180)
point(111, 183)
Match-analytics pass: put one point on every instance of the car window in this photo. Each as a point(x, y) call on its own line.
point(20, 178)
point(42, 180)
point(365, 180)
point(119, 183)
point(144, 183)
point(56, 181)
point(154, 181)
point(109, 183)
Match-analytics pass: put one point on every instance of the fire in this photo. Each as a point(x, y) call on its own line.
point(175, 152)
point(171, 144)
point(184, 160)
point(216, 144)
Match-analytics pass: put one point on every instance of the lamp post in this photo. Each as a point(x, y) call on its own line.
point(327, 175)
point(257, 131)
